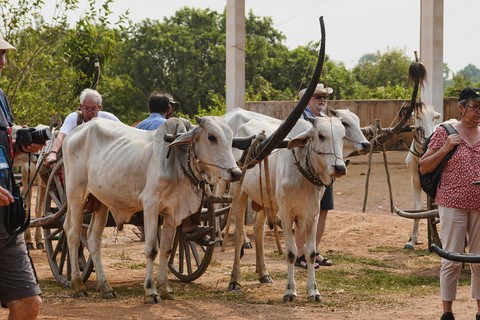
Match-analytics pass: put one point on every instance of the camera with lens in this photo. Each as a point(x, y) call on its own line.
point(26, 136)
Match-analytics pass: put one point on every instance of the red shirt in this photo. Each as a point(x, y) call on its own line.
point(455, 189)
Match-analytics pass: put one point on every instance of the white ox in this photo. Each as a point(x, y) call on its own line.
point(296, 199)
point(130, 170)
point(353, 142)
point(424, 125)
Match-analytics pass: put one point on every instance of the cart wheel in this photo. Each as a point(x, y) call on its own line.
point(222, 216)
point(190, 260)
point(55, 238)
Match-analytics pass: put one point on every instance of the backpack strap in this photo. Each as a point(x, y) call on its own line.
point(449, 128)
point(79, 117)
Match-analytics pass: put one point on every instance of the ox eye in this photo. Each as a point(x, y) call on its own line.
point(212, 138)
point(345, 124)
point(321, 137)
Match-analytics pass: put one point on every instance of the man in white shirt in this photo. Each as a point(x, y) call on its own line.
point(90, 105)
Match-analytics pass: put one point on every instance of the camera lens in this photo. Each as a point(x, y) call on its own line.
point(42, 135)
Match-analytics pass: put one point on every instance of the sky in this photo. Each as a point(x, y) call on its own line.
point(353, 27)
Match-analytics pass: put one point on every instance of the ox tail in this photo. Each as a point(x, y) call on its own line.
point(417, 75)
point(272, 213)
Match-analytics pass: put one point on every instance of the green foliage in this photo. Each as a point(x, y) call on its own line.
point(183, 56)
point(471, 72)
point(53, 62)
point(371, 70)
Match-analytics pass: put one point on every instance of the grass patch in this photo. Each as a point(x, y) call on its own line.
point(349, 259)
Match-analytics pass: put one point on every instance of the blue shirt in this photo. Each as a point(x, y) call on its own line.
point(154, 121)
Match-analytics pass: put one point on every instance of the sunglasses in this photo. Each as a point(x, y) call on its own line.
point(320, 97)
point(474, 107)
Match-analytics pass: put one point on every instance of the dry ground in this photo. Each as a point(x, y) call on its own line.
point(349, 231)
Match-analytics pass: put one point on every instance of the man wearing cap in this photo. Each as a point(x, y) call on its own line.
point(317, 107)
point(19, 291)
point(90, 107)
point(457, 195)
point(161, 107)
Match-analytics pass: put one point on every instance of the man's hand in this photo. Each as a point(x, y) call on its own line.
point(5, 197)
point(32, 148)
point(51, 158)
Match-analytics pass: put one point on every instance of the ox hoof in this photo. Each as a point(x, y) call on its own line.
point(289, 298)
point(247, 245)
point(30, 246)
point(40, 246)
point(234, 286)
point(315, 298)
point(153, 299)
point(408, 246)
point(168, 296)
point(266, 279)
point(109, 295)
point(80, 294)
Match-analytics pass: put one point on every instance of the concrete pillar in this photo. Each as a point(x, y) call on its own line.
point(235, 72)
point(431, 52)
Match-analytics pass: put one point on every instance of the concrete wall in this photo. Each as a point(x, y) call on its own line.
point(367, 110)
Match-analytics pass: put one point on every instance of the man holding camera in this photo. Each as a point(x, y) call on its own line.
point(90, 105)
point(19, 290)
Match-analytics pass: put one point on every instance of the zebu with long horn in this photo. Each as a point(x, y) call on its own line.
point(313, 157)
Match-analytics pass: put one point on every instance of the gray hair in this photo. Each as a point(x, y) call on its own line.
point(92, 94)
point(463, 102)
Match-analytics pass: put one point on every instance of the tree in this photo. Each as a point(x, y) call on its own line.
point(382, 76)
point(184, 55)
point(470, 72)
point(46, 74)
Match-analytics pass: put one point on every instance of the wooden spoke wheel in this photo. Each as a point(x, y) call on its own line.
point(189, 260)
point(222, 216)
point(55, 238)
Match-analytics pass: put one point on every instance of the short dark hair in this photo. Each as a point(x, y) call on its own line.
point(158, 103)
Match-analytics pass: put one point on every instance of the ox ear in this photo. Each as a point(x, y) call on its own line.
point(185, 138)
point(299, 141)
point(199, 120)
point(334, 112)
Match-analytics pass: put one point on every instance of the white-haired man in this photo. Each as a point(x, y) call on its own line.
point(90, 107)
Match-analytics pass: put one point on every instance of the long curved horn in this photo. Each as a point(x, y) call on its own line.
point(416, 214)
point(417, 74)
point(454, 256)
point(267, 146)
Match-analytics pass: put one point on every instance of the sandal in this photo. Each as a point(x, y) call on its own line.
point(321, 261)
point(302, 263)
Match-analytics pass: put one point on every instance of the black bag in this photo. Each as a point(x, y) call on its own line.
point(17, 219)
point(429, 181)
